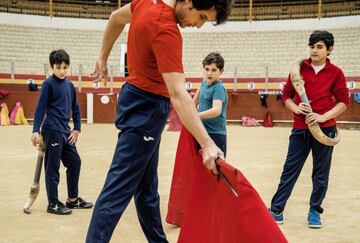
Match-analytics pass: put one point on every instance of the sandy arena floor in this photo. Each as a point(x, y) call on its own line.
point(258, 152)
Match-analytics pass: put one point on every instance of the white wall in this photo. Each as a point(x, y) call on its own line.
point(54, 22)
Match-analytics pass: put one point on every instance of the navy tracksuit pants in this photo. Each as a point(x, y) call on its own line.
point(301, 142)
point(141, 117)
point(58, 148)
point(219, 140)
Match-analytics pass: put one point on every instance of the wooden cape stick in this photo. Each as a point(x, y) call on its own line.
point(34, 189)
point(298, 84)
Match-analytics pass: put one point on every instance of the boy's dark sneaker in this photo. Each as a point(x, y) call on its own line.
point(58, 208)
point(78, 203)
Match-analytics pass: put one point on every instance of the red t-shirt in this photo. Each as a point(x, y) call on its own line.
point(154, 45)
point(324, 90)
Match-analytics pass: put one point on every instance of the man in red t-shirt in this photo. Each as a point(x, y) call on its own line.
point(326, 89)
point(155, 77)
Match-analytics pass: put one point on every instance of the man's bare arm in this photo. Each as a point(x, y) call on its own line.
point(188, 114)
point(117, 21)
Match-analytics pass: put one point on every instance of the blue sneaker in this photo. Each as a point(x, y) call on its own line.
point(278, 217)
point(314, 221)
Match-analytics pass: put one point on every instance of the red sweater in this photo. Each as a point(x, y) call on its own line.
point(324, 90)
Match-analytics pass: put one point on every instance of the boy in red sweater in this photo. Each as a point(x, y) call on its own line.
point(328, 95)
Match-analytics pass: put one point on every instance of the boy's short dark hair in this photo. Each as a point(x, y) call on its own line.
point(59, 56)
point(216, 58)
point(322, 35)
point(222, 7)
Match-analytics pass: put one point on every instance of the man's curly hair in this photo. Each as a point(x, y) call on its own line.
point(222, 7)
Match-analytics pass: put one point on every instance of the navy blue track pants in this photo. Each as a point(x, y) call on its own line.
point(58, 148)
point(301, 142)
point(141, 117)
point(220, 141)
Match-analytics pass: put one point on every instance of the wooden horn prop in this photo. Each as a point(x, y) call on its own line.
point(298, 84)
point(35, 188)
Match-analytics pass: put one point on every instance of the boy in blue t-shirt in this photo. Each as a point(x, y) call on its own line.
point(57, 101)
point(212, 99)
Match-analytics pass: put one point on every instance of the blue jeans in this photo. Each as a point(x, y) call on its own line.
point(141, 116)
point(301, 142)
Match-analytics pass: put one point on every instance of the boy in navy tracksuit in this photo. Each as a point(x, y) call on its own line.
point(56, 101)
point(326, 89)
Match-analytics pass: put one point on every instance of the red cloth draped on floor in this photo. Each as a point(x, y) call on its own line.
point(208, 210)
point(182, 177)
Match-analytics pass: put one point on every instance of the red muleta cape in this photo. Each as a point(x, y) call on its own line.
point(208, 210)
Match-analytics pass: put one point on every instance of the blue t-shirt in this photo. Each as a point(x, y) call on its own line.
point(208, 93)
point(57, 100)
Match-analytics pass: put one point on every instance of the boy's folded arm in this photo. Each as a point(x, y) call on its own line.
point(213, 112)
